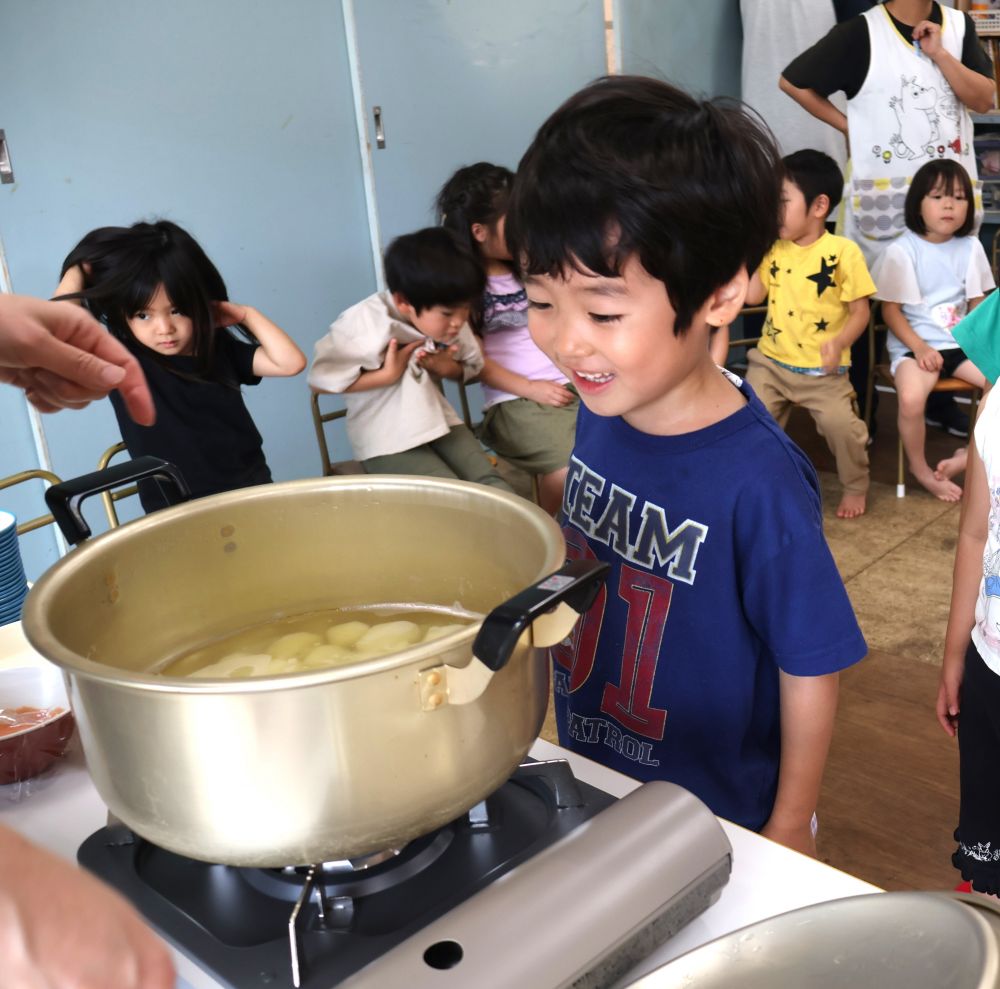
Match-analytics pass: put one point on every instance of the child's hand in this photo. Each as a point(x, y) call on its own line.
point(799, 838)
point(949, 696)
point(228, 313)
point(397, 357)
point(929, 358)
point(443, 363)
point(549, 393)
point(829, 353)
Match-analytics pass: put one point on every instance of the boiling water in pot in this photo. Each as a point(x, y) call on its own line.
point(319, 640)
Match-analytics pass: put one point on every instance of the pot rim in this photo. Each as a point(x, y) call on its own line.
point(453, 649)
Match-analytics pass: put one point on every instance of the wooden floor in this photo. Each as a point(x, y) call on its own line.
point(890, 797)
point(889, 803)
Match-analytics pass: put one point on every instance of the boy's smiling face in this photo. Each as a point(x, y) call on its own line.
point(614, 339)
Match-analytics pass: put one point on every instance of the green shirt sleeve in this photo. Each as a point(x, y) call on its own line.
point(978, 337)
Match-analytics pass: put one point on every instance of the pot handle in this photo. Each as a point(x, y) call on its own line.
point(575, 585)
point(64, 499)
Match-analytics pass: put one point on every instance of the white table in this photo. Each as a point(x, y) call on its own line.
point(61, 808)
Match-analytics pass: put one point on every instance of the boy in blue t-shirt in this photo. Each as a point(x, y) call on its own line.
point(711, 656)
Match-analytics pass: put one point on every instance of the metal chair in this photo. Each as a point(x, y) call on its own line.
point(110, 497)
point(880, 373)
point(320, 419)
point(31, 475)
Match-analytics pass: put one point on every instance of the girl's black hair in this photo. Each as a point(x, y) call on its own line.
point(124, 266)
point(474, 194)
point(949, 173)
point(631, 166)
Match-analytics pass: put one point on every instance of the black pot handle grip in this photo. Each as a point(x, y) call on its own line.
point(64, 499)
point(577, 583)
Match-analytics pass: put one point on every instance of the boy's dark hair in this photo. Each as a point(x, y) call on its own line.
point(816, 174)
point(633, 166)
point(953, 176)
point(124, 266)
point(430, 268)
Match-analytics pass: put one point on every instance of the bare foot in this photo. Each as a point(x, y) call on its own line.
point(950, 466)
point(940, 488)
point(851, 506)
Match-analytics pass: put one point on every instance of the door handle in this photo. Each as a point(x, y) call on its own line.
point(6, 171)
point(379, 132)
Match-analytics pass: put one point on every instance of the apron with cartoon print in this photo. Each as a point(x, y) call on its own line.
point(905, 115)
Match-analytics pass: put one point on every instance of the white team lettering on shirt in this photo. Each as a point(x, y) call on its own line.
point(653, 544)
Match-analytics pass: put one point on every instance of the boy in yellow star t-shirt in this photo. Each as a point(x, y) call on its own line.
point(817, 287)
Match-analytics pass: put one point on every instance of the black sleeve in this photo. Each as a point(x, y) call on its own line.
point(837, 62)
point(845, 9)
point(973, 54)
point(234, 358)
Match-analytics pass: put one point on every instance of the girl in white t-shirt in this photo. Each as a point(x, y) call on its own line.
point(969, 694)
point(934, 273)
point(530, 413)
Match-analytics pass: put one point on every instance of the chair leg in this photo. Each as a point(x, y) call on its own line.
point(901, 472)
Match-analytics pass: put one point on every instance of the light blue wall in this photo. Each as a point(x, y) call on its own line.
point(235, 119)
point(695, 44)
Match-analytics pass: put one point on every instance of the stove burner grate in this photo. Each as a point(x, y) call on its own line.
point(236, 922)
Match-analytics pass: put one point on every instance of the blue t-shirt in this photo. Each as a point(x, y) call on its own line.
point(720, 576)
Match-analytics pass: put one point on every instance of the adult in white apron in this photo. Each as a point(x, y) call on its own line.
point(911, 71)
point(772, 33)
point(907, 103)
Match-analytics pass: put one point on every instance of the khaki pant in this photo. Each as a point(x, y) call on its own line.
point(830, 400)
point(456, 454)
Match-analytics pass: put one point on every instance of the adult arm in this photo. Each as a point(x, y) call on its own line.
point(808, 706)
point(63, 358)
point(816, 104)
point(968, 572)
point(61, 928)
point(277, 356)
point(970, 87)
point(838, 62)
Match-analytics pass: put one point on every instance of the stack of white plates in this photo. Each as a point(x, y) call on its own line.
point(13, 583)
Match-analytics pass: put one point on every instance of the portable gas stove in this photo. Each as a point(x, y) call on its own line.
point(549, 882)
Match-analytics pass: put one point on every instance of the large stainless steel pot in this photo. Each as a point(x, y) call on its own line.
point(323, 765)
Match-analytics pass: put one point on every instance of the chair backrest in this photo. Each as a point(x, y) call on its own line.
point(463, 398)
point(320, 419)
point(110, 497)
point(30, 475)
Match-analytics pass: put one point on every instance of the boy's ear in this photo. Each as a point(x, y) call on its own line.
point(402, 304)
point(725, 303)
point(820, 206)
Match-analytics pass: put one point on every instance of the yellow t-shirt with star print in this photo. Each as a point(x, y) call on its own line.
point(808, 289)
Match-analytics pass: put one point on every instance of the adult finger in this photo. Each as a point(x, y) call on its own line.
point(64, 391)
point(79, 349)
